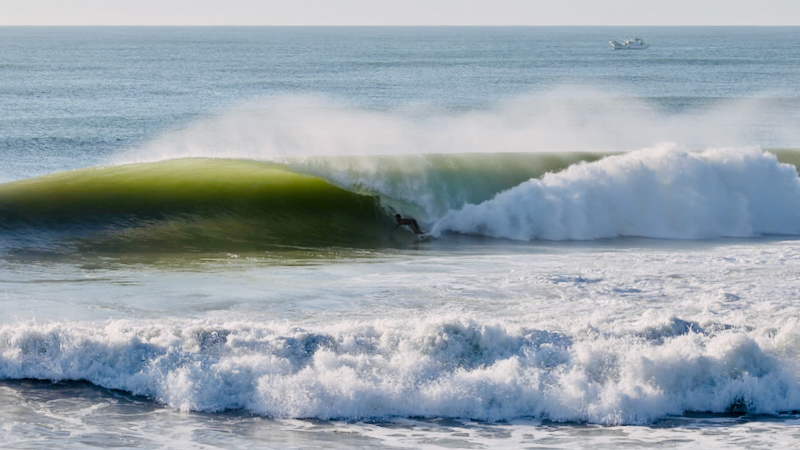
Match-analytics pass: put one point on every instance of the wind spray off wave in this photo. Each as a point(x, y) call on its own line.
point(665, 192)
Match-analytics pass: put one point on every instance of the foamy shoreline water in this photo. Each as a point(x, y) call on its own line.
point(594, 339)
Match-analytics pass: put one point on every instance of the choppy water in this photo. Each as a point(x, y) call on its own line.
point(613, 259)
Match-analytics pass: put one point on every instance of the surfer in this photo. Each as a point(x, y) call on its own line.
point(410, 222)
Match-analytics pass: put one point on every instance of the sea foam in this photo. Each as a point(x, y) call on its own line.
point(424, 367)
point(663, 192)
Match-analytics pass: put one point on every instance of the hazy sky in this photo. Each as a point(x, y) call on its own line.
point(399, 12)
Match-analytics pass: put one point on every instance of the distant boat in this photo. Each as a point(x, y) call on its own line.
point(629, 44)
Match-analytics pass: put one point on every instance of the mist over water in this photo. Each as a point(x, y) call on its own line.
point(564, 119)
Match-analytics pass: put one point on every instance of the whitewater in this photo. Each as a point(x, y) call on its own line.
point(663, 193)
point(210, 259)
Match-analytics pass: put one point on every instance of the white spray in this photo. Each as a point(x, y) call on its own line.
point(665, 192)
point(566, 119)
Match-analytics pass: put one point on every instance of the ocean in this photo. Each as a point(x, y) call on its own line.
point(198, 246)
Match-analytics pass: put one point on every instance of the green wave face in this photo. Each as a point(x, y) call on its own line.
point(195, 204)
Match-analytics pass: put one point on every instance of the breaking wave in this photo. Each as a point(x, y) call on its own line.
point(424, 367)
point(666, 192)
point(226, 204)
point(211, 204)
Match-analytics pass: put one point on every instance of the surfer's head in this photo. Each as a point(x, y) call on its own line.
point(398, 217)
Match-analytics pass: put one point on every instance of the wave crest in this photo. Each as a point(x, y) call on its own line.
point(428, 367)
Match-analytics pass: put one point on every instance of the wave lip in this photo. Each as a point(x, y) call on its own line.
point(428, 367)
point(665, 192)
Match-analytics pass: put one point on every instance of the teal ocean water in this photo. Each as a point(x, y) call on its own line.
point(198, 246)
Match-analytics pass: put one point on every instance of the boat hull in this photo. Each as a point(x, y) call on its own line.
point(628, 45)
